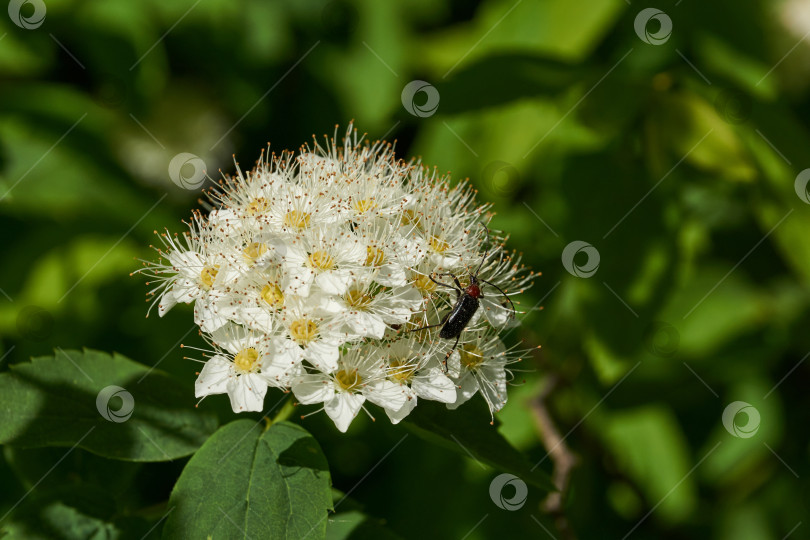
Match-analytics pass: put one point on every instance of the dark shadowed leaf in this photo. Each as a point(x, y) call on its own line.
point(106, 404)
point(246, 482)
point(467, 431)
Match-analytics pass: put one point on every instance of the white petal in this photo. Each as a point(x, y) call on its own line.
point(186, 291)
point(468, 386)
point(213, 377)
point(391, 275)
point(366, 324)
point(397, 416)
point(343, 408)
point(323, 355)
point(167, 301)
point(334, 281)
point(247, 392)
point(386, 394)
point(309, 389)
point(434, 385)
point(207, 316)
point(497, 315)
point(492, 381)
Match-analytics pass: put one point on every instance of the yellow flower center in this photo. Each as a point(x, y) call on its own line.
point(321, 260)
point(245, 359)
point(401, 370)
point(471, 356)
point(364, 205)
point(348, 380)
point(374, 256)
point(303, 330)
point(254, 251)
point(357, 299)
point(424, 283)
point(208, 275)
point(271, 293)
point(438, 245)
point(297, 219)
point(257, 206)
point(409, 217)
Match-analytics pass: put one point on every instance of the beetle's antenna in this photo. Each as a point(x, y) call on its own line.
point(503, 293)
point(486, 252)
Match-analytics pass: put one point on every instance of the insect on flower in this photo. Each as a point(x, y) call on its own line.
point(467, 304)
point(311, 262)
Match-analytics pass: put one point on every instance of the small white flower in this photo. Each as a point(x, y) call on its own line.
point(360, 376)
point(481, 366)
point(312, 332)
point(413, 367)
point(245, 366)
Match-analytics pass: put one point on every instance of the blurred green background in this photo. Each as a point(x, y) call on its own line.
point(675, 159)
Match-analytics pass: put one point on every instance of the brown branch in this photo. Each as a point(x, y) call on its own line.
point(562, 457)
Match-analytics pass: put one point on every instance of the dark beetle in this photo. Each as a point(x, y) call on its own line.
point(467, 304)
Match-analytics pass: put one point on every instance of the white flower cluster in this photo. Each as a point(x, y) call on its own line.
point(314, 273)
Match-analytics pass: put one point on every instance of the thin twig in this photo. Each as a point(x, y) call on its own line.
point(562, 457)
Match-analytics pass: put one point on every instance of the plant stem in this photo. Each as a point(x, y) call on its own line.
point(281, 415)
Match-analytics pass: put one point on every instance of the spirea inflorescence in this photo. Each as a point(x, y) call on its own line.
point(313, 273)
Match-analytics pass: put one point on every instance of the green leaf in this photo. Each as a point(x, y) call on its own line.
point(56, 401)
point(467, 430)
point(652, 450)
point(72, 513)
point(253, 483)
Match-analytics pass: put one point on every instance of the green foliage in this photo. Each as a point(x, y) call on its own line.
point(676, 161)
point(466, 431)
point(54, 401)
point(271, 483)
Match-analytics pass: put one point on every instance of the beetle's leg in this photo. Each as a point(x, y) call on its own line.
point(455, 280)
point(503, 293)
point(451, 352)
point(458, 290)
point(425, 327)
point(444, 320)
